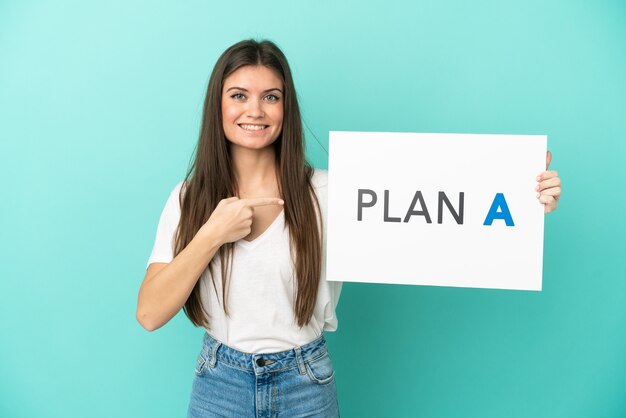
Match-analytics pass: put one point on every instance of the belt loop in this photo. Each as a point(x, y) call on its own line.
point(300, 360)
point(213, 356)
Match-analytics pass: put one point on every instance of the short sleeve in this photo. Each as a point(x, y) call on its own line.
point(163, 248)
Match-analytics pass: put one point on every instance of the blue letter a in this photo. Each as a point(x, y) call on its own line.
point(499, 202)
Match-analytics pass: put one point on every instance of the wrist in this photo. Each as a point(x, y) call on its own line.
point(208, 239)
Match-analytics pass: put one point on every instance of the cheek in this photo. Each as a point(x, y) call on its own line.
point(229, 116)
point(228, 112)
point(277, 116)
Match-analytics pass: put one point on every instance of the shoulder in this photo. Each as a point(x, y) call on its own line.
point(173, 201)
point(319, 178)
point(179, 186)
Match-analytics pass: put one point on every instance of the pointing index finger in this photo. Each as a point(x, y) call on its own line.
point(263, 201)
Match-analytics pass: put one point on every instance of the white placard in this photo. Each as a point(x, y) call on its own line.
point(407, 189)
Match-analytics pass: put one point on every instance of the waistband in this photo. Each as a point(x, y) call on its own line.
point(214, 350)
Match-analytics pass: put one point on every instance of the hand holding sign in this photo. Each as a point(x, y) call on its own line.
point(549, 187)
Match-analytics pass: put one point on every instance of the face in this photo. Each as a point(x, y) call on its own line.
point(252, 107)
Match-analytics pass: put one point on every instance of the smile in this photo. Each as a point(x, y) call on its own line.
point(251, 127)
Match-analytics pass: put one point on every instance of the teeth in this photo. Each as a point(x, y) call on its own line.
point(252, 127)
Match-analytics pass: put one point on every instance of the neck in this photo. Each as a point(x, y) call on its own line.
point(254, 169)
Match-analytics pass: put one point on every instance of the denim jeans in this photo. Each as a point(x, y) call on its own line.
point(299, 382)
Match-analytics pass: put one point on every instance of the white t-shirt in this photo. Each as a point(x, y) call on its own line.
point(260, 296)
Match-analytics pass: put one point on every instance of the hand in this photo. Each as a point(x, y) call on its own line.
point(549, 187)
point(232, 218)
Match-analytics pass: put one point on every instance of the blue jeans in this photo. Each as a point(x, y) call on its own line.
point(299, 382)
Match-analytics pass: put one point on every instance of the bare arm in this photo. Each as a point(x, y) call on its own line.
point(167, 286)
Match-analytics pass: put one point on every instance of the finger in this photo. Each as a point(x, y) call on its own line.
point(263, 201)
point(552, 191)
point(546, 184)
point(547, 175)
point(546, 199)
point(549, 207)
point(227, 200)
point(548, 159)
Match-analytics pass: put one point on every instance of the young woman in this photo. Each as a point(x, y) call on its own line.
point(240, 246)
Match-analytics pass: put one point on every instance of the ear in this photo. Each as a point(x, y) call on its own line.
point(548, 159)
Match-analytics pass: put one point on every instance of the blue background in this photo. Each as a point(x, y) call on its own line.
point(100, 106)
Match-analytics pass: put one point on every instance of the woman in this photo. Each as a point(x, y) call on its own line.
point(248, 166)
point(251, 202)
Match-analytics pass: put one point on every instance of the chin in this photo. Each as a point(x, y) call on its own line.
point(252, 145)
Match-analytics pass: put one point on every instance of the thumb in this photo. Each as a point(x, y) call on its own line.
point(548, 159)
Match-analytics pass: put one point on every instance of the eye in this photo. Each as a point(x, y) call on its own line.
point(238, 96)
point(272, 98)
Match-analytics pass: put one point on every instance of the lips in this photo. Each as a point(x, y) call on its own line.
point(252, 127)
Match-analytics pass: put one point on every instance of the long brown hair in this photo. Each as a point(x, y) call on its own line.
point(210, 178)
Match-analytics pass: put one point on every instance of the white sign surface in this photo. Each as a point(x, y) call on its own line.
point(435, 209)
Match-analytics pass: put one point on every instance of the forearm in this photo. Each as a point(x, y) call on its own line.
point(164, 294)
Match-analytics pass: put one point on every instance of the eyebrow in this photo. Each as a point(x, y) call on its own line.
point(242, 89)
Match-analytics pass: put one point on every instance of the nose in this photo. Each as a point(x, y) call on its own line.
point(255, 109)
